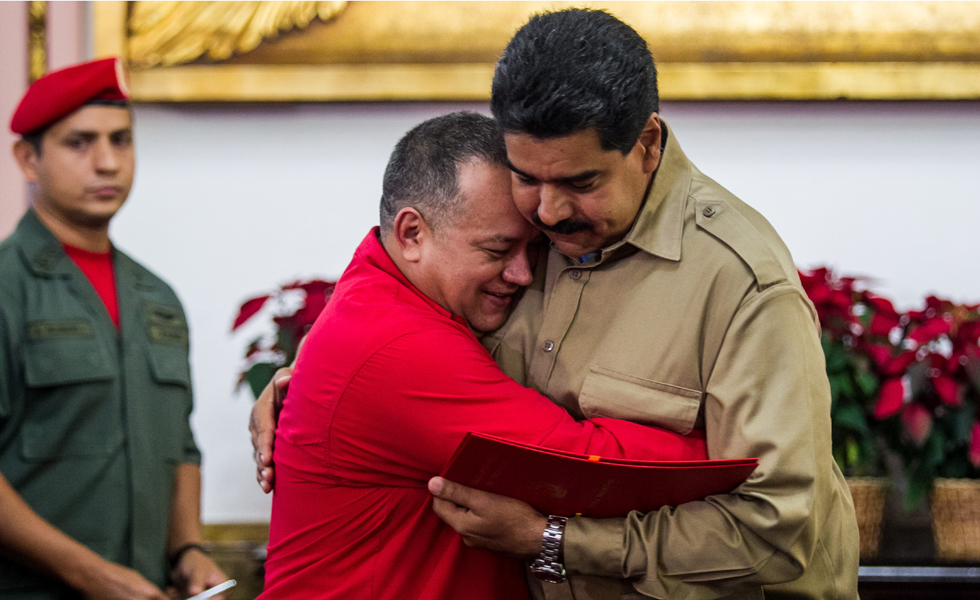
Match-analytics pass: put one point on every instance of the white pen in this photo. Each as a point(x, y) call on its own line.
point(215, 590)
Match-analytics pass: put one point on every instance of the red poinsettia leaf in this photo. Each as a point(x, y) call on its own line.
point(248, 310)
point(317, 286)
point(975, 444)
point(882, 323)
point(897, 365)
point(307, 315)
point(937, 304)
point(879, 354)
point(818, 294)
point(891, 397)
point(930, 330)
point(917, 423)
point(947, 389)
point(840, 298)
point(968, 333)
point(881, 305)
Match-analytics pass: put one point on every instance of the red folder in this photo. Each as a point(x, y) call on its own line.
point(563, 483)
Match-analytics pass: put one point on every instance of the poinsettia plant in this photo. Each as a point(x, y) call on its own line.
point(907, 382)
point(930, 369)
point(845, 314)
point(294, 308)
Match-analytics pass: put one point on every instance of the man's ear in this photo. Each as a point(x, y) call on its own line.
point(26, 157)
point(411, 232)
point(650, 141)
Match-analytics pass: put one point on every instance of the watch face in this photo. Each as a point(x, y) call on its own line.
point(548, 573)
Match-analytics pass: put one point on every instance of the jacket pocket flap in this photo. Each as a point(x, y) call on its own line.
point(609, 393)
point(169, 364)
point(52, 363)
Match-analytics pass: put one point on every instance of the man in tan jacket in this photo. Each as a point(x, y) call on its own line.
point(664, 300)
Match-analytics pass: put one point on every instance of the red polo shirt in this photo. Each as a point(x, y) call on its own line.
point(386, 386)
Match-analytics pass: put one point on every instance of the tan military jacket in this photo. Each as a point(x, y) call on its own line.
point(695, 320)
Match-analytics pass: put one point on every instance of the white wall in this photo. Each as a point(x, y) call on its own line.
point(231, 200)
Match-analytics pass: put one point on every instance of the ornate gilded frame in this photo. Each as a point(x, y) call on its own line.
point(705, 51)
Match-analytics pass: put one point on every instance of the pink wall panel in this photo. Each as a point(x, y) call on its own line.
point(13, 82)
point(67, 44)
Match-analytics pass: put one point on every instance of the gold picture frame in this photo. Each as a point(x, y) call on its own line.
point(374, 51)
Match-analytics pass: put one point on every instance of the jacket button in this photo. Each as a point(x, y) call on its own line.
point(575, 274)
point(709, 211)
point(548, 346)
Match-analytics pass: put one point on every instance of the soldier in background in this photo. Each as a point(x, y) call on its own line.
point(100, 477)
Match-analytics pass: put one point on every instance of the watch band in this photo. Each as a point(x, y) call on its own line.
point(549, 565)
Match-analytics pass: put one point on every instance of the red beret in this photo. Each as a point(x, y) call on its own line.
point(60, 93)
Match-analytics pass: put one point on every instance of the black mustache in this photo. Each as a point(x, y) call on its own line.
point(565, 227)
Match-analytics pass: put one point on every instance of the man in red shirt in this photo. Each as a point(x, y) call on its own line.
point(392, 377)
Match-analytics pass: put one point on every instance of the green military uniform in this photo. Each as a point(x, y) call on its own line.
point(696, 319)
point(93, 420)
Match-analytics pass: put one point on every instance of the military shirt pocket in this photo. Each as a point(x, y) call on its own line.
point(72, 407)
point(171, 375)
point(609, 393)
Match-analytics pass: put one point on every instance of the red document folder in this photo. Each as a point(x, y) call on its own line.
point(562, 483)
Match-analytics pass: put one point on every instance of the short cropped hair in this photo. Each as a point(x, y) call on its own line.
point(572, 70)
point(422, 171)
point(36, 138)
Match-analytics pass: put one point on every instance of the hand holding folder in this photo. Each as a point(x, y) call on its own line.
point(564, 483)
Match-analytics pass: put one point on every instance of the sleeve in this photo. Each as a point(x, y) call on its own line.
point(767, 397)
point(410, 405)
point(5, 367)
point(190, 452)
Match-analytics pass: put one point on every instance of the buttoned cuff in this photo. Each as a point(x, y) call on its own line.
point(595, 547)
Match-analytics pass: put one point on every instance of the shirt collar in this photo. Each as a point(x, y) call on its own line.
point(41, 248)
point(659, 226)
point(373, 253)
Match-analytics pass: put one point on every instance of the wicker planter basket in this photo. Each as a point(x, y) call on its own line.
point(956, 519)
point(869, 495)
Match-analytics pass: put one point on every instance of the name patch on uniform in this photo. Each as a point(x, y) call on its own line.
point(165, 324)
point(47, 329)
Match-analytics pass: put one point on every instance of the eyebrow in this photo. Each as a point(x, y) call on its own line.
point(499, 238)
point(583, 176)
point(89, 133)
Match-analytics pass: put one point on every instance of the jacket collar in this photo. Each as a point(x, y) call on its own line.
point(42, 251)
point(659, 227)
point(371, 252)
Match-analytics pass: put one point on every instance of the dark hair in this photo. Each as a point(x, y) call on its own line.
point(36, 137)
point(571, 70)
point(421, 172)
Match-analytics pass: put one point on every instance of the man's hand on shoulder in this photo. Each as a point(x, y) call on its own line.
point(489, 521)
point(196, 572)
point(262, 426)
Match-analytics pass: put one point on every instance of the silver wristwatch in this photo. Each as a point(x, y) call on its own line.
point(548, 566)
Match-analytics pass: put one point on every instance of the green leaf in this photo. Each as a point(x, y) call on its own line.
point(839, 459)
point(962, 424)
point(920, 481)
point(259, 375)
point(846, 387)
point(935, 448)
point(851, 417)
point(853, 453)
point(867, 382)
point(287, 341)
point(837, 358)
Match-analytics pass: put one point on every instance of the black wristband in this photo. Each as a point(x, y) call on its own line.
point(180, 552)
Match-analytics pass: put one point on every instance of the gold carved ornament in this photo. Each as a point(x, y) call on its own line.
point(172, 33)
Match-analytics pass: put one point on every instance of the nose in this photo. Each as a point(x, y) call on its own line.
point(518, 269)
point(554, 205)
point(105, 156)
